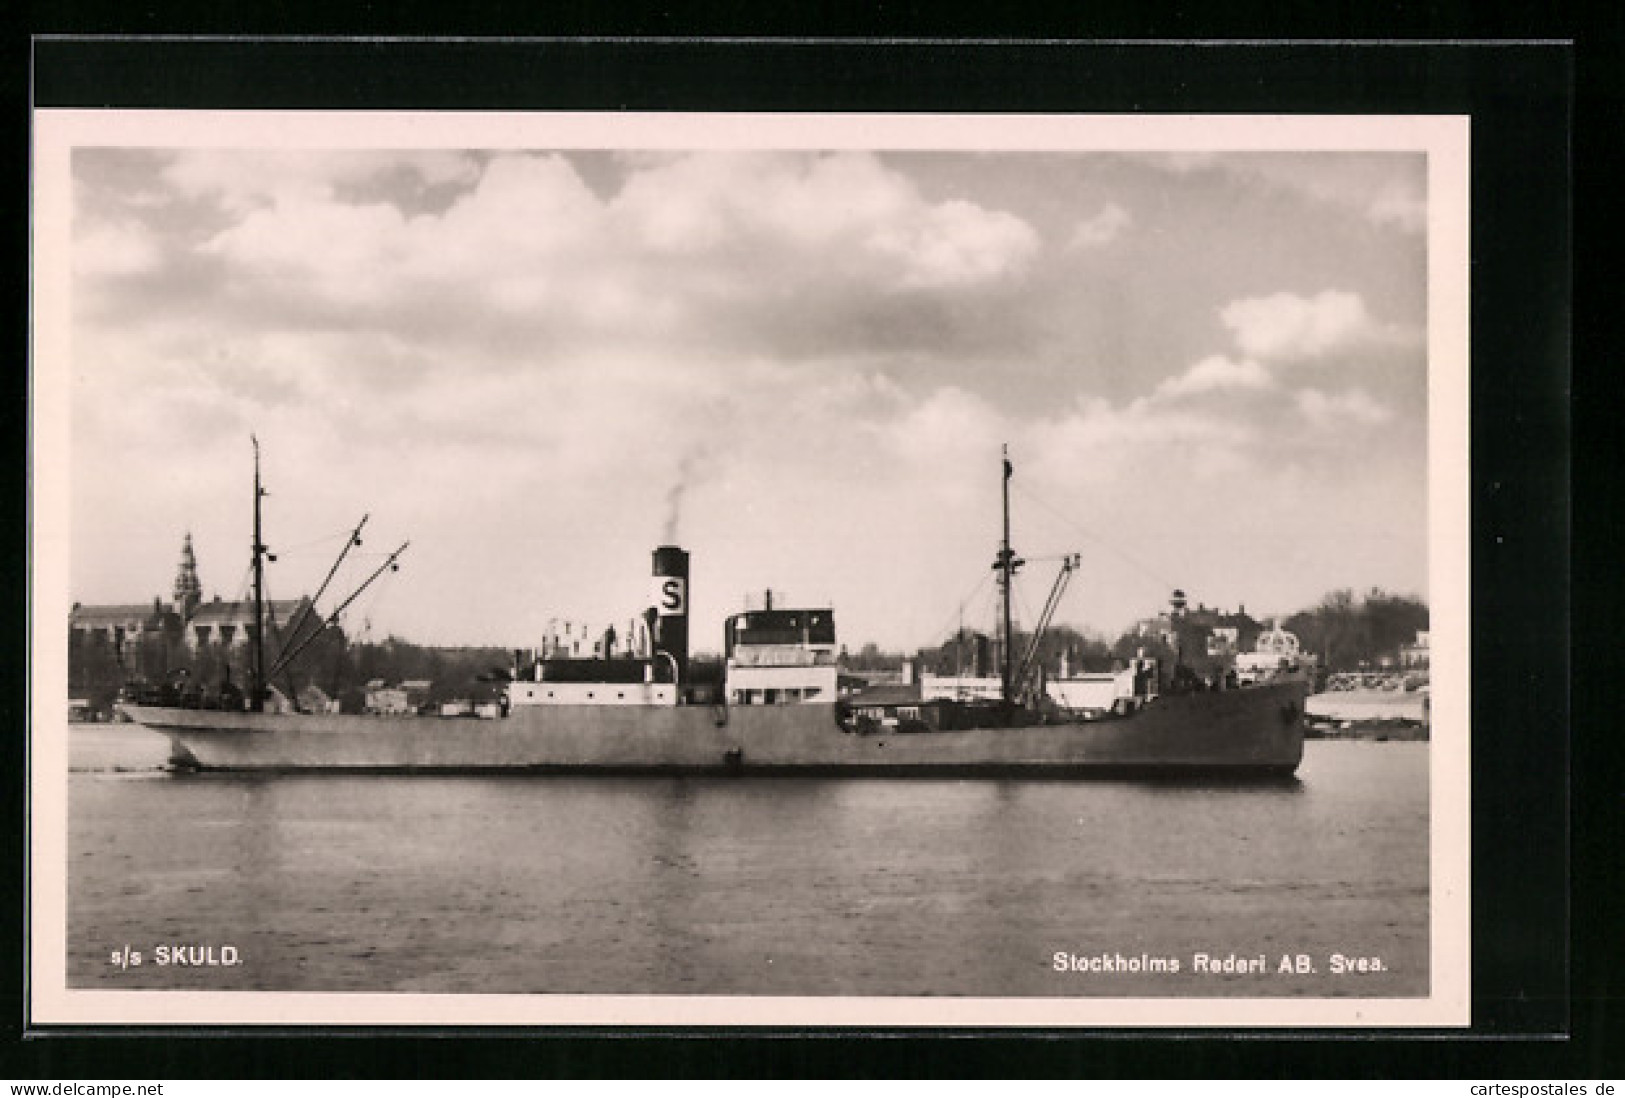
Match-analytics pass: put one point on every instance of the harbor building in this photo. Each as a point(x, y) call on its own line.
point(120, 625)
point(147, 637)
point(1414, 656)
point(231, 624)
point(406, 697)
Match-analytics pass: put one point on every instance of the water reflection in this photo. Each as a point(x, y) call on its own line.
point(735, 886)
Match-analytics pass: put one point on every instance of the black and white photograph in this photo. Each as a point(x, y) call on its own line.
point(750, 570)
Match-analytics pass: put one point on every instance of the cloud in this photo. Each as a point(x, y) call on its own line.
point(1354, 407)
point(1387, 189)
point(526, 218)
point(1288, 326)
point(1402, 206)
point(692, 203)
point(957, 244)
point(241, 180)
point(513, 367)
point(317, 248)
point(847, 205)
point(714, 248)
point(1102, 228)
point(115, 250)
point(782, 208)
point(1178, 163)
point(1214, 374)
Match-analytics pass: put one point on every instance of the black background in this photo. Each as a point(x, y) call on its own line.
point(1537, 1011)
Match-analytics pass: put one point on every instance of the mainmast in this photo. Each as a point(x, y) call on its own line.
point(256, 699)
point(1007, 564)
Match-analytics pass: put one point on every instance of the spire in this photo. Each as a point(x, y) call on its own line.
point(188, 589)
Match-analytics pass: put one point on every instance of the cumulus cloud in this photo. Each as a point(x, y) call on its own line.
point(319, 248)
point(1331, 410)
point(1286, 325)
point(515, 366)
point(115, 250)
point(1179, 163)
point(781, 205)
point(1403, 206)
point(245, 179)
point(1102, 228)
point(957, 244)
point(1387, 189)
point(1216, 373)
point(525, 219)
point(696, 202)
point(707, 247)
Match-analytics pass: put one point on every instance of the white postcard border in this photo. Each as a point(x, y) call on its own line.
point(1443, 138)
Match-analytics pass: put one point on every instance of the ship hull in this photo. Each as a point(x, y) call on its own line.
point(1255, 730)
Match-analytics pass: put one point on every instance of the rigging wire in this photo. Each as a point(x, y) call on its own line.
point(369, 603)
point(390, 565)
point(1023, 611)
point(958, 617)
point(1133, 562)
point(244, 585)
point(273, 630)
point(322, 539)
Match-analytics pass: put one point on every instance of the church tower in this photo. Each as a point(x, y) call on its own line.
point(188, 589)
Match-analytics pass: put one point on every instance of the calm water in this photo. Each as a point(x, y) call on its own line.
point(765, 886)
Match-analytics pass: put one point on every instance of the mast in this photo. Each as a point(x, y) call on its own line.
point(256, 701)
point(1007, 565)
point(1004, 564)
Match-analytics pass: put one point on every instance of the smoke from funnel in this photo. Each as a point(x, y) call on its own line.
point(687, 472)
point(674, 510)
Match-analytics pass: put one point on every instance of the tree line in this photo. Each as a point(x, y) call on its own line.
point(1351, 633)
point(1348, 633)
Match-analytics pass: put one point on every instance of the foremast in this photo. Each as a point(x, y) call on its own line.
point(294, 645)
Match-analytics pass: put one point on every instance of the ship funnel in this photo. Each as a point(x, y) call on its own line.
point(671, 605)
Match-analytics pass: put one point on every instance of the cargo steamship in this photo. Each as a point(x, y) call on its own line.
point(778, 711)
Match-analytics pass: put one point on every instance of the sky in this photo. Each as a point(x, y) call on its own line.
point(537, 365)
